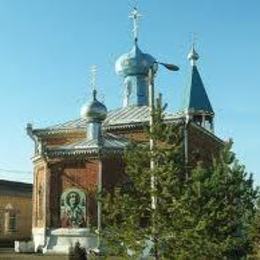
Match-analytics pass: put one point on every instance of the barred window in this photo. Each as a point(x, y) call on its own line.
point(10, 219)
point(12, 222)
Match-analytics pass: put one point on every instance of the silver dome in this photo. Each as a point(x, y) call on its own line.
point(94, 111)
point(134, 63)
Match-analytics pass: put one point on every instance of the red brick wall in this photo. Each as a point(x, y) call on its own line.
point(61, 139)
point(113, 171)
point(136, 135)
point(38, 196)
point(83, 176)
point(201, 146)
point(68, 175)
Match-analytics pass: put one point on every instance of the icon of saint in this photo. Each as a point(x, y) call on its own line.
point(73, 215)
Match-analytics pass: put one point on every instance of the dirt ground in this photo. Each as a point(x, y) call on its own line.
point(8, 254)
point(14, 256)
point(19, 256)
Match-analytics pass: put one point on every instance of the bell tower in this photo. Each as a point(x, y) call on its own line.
point(196, 104)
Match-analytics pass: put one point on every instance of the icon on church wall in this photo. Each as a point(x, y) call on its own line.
point(73, 208)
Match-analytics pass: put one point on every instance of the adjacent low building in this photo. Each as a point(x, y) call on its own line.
point(15, 211)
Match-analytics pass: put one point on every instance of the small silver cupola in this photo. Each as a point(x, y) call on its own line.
point(193, 56)
point(94, 112)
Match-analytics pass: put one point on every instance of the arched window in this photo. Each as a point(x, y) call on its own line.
point(10, 219)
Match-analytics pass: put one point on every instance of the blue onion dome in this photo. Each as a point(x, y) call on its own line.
point(134, 62)
point(95, 111)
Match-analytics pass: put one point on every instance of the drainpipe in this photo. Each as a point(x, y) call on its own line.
point(186, 143)
point(99, 203)
point(45, 205)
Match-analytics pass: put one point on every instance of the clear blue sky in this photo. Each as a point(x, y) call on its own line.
point(47, 48)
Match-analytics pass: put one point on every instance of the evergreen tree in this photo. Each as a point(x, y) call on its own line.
point(255, 233)
point(219, 206)
point(202, 213)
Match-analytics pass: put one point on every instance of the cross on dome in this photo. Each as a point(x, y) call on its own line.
point(93, 81)
point(135, 15)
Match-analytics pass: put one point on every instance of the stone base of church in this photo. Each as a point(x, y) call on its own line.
point(59, 241)
point(38, 238)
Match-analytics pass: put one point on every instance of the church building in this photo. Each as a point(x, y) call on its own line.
point(74, 160)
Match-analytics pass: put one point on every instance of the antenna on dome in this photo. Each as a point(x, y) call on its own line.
point(135, 15)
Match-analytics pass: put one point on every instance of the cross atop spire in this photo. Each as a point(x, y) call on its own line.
point(196, 104)
point(194, 38)
point(193, 56)
point(135, 15)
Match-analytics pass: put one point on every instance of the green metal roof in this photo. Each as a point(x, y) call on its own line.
point(195, 97)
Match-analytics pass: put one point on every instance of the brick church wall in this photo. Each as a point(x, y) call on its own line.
point(65, 173)
point(73, 174)
point(202, 147)
point(113, 171)
point(38, 195)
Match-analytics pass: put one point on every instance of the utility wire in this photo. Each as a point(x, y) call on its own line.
point(14, 171)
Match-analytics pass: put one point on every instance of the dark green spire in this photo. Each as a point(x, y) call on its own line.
point(196, 105)
point(195, 97)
